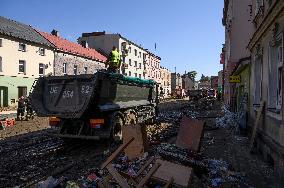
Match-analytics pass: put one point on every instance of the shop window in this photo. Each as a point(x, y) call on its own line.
point(22, 91)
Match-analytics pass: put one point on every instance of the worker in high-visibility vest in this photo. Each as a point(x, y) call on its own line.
point(114, 61)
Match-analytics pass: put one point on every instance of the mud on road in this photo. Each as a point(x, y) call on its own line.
point(28, 153)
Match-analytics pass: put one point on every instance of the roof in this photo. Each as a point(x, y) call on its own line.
point(72, 47)
point(21, 31)
point(100, 33)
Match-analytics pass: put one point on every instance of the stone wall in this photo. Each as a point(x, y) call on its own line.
point(71, 60)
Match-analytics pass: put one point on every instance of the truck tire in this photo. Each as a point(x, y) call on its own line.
point(117, 123)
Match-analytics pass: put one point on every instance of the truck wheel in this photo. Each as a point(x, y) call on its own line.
point(117, 128)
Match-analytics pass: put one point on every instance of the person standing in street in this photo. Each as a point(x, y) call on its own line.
point(113, 61)
point(21, 108)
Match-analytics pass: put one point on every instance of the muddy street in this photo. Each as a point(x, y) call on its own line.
point(28, 158)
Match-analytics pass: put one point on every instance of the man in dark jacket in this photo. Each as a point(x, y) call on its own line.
point(21, 108)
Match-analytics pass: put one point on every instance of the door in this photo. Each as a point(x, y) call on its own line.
point(22, 91)
point(3, 96)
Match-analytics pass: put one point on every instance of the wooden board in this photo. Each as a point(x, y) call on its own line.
point(257, 121)
point(140, 143)
point(190, 133)
point(117, 152)
point(181, 174)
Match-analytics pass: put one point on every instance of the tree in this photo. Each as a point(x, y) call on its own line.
point(192, 75)
point(204, 78)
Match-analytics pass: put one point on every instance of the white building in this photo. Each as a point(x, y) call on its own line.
point(133, 56)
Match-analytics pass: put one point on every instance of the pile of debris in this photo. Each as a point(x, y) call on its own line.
point(229, 120)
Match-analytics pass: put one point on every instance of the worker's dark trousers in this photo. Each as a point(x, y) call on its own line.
point(20, 112)
point(112, 70)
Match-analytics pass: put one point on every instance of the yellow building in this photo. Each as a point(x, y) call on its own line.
point(24, 56)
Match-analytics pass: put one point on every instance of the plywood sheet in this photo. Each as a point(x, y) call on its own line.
point(168, 170)
point(190, 133)
point(140, 143)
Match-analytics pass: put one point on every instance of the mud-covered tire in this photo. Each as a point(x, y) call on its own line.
point(117, 123)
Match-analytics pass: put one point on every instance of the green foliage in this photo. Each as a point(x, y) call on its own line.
point(192, 75)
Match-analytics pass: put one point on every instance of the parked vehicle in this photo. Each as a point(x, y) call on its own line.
point(212, 93)
point(94, 106)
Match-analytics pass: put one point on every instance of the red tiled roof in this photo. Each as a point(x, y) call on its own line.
point(72, 47)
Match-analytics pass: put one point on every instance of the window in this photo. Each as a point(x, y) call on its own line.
point(22, 47)
point(135, 63)
point(135, 52)
point(41, 69)
point(275, 74)
point(129, 73)
point(1, 68)
point(22, 66)
point(1, 42)
point(41, 51)
point(139, 75)
point(64, 68)
point(85, 70)
point(135, 74)
point(129, 50)
point(130, 62)
point(139, 65)
point(139, 55)
point(75, 69)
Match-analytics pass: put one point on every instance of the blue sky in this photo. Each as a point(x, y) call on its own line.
point(188, 33)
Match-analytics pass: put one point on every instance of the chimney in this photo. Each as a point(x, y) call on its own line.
point(55, 32)
point(84, 44)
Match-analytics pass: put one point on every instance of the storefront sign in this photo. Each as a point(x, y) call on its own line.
point(235, 79)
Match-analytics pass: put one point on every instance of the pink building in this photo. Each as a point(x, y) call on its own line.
point(152, 67)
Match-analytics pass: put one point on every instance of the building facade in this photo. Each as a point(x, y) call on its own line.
point(165, 81)
point(73, 59)
point(237, 15)
point(187, 83)
point(266, 79)
point(153, 67)
point(24, 56)
point(214, 82)
point(176, 81)
point(136, 61)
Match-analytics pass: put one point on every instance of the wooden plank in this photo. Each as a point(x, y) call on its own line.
point(138, 147)
point(120, 180)
point(117, 152)
point(257, 121)
point(190, 133)
point(145, 166)
point(180, 174)
point(169, 183)
point(149, 175)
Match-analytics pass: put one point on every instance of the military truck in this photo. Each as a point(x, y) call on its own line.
point(94, 106)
